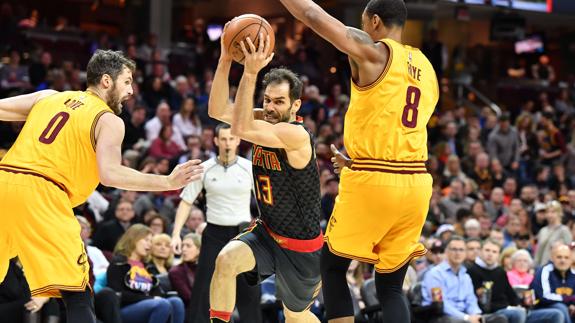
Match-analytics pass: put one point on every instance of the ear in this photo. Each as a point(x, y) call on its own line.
point(296, 105)
point(106, 81)
point(216, 141)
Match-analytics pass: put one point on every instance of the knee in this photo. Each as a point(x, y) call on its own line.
point(226, 265)
point(176, 303)
point(162, 304)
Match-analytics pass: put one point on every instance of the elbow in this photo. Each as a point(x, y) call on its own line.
point(107, 179)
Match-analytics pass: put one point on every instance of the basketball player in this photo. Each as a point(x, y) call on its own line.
point(287, 239)
point(385, 189)
point(70, 142)
point(228, 183)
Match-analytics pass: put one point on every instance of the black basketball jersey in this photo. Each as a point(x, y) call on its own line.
point(288, 198)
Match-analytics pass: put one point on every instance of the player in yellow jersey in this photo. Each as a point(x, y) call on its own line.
point(384, 191)
point(70, 142)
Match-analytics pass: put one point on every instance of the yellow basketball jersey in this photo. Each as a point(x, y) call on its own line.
point(58, 142)
point(387, 120)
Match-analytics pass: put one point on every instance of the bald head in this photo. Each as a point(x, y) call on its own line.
point(561, 257)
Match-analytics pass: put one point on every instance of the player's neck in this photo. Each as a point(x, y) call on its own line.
point(97, 92)
point(394, 34)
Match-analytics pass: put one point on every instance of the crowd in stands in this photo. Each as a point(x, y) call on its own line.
point(499, 229)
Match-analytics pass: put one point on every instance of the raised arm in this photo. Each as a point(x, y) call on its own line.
point(18, 107)
point(352, 41)
point(280, 135)
point(219, 107)
point(109, 136)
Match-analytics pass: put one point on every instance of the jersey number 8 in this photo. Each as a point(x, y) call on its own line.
point(411, 104)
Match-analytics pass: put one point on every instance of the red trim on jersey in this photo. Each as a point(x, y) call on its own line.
point(297, 245)
point(19, 170)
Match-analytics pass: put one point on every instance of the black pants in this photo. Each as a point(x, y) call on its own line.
point(214, 238)
point(107, 304)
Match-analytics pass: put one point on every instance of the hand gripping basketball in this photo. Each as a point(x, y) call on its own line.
point(256, 59)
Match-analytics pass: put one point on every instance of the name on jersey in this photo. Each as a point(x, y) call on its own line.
point(73, 104)
point(266, 159)
point(414, 71)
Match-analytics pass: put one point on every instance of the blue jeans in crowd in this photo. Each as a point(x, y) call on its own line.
point(514, 314)
point(548, 315)
point(563, 309)
point(156, 310)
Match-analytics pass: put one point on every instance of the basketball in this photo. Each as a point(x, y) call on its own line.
point(241, 27)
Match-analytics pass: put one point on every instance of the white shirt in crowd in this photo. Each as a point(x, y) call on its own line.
point(228, 191)
point(153, 127)
point(186, 126)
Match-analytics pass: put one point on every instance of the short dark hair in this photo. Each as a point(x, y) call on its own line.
point(221, 126)
point(491, 241)
point(107, 62)
point(391, 12)
point(282, 74)
point(454, 238)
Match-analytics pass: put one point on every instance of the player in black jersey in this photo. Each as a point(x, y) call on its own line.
point(286, 240)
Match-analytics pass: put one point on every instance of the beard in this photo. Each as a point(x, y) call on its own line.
point(113, 100)
point(278, 116)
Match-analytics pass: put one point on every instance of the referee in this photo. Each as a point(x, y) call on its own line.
point(228, 182)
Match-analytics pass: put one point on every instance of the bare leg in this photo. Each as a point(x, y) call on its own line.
point(300, 317)
point(234, 259)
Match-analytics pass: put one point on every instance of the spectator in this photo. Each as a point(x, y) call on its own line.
point(135, 135)
point(141, 297)
point(497, 235)
point(550, 139)
point(511, 230)
point(472, 247)
point(491, 284)
point(505, 258)
point(328, 199)
point(182, 91)
point(474, 148)
point(522, 263)
point(503, 143)
point(14, 76)
point(183, 276)
point(459, 300)
point(157, 223)
point(523, 241)
point(542, 70)
point(162, 255)
point(553, 232)
point(509, 190)
point(456, 200)
point(187, 120)
point(164, 146)
point(162, 118)
point(472, 229)
point(453, 170)
point(106, 301)
point(482, 175)
point(539, 218)
point(495, 207)
point(554, 283)
point(109, 232)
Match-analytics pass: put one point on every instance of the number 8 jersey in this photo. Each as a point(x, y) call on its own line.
point(58, 142)
point(387, 120)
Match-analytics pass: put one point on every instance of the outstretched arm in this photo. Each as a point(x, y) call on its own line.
point(280, 135)
point(352, 41)
point(109, 134)
point(18, 107)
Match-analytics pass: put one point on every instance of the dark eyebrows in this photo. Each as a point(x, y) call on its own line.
point(278, 98)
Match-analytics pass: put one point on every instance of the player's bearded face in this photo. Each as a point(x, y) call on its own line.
point(114, 99)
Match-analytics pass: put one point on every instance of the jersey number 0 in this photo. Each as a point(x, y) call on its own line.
point(53, 128)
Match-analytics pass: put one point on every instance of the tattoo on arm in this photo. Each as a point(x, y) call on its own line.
point(358, 36)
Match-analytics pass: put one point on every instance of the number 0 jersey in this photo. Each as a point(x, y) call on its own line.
point(58, 142)
point(387, 120)
point(288, 198)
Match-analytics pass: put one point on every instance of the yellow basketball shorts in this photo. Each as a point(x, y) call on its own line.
point(38, 226)
point(378, 217)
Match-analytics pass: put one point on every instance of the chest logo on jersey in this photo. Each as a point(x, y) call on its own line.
point(73, 104)
point(266, 159)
